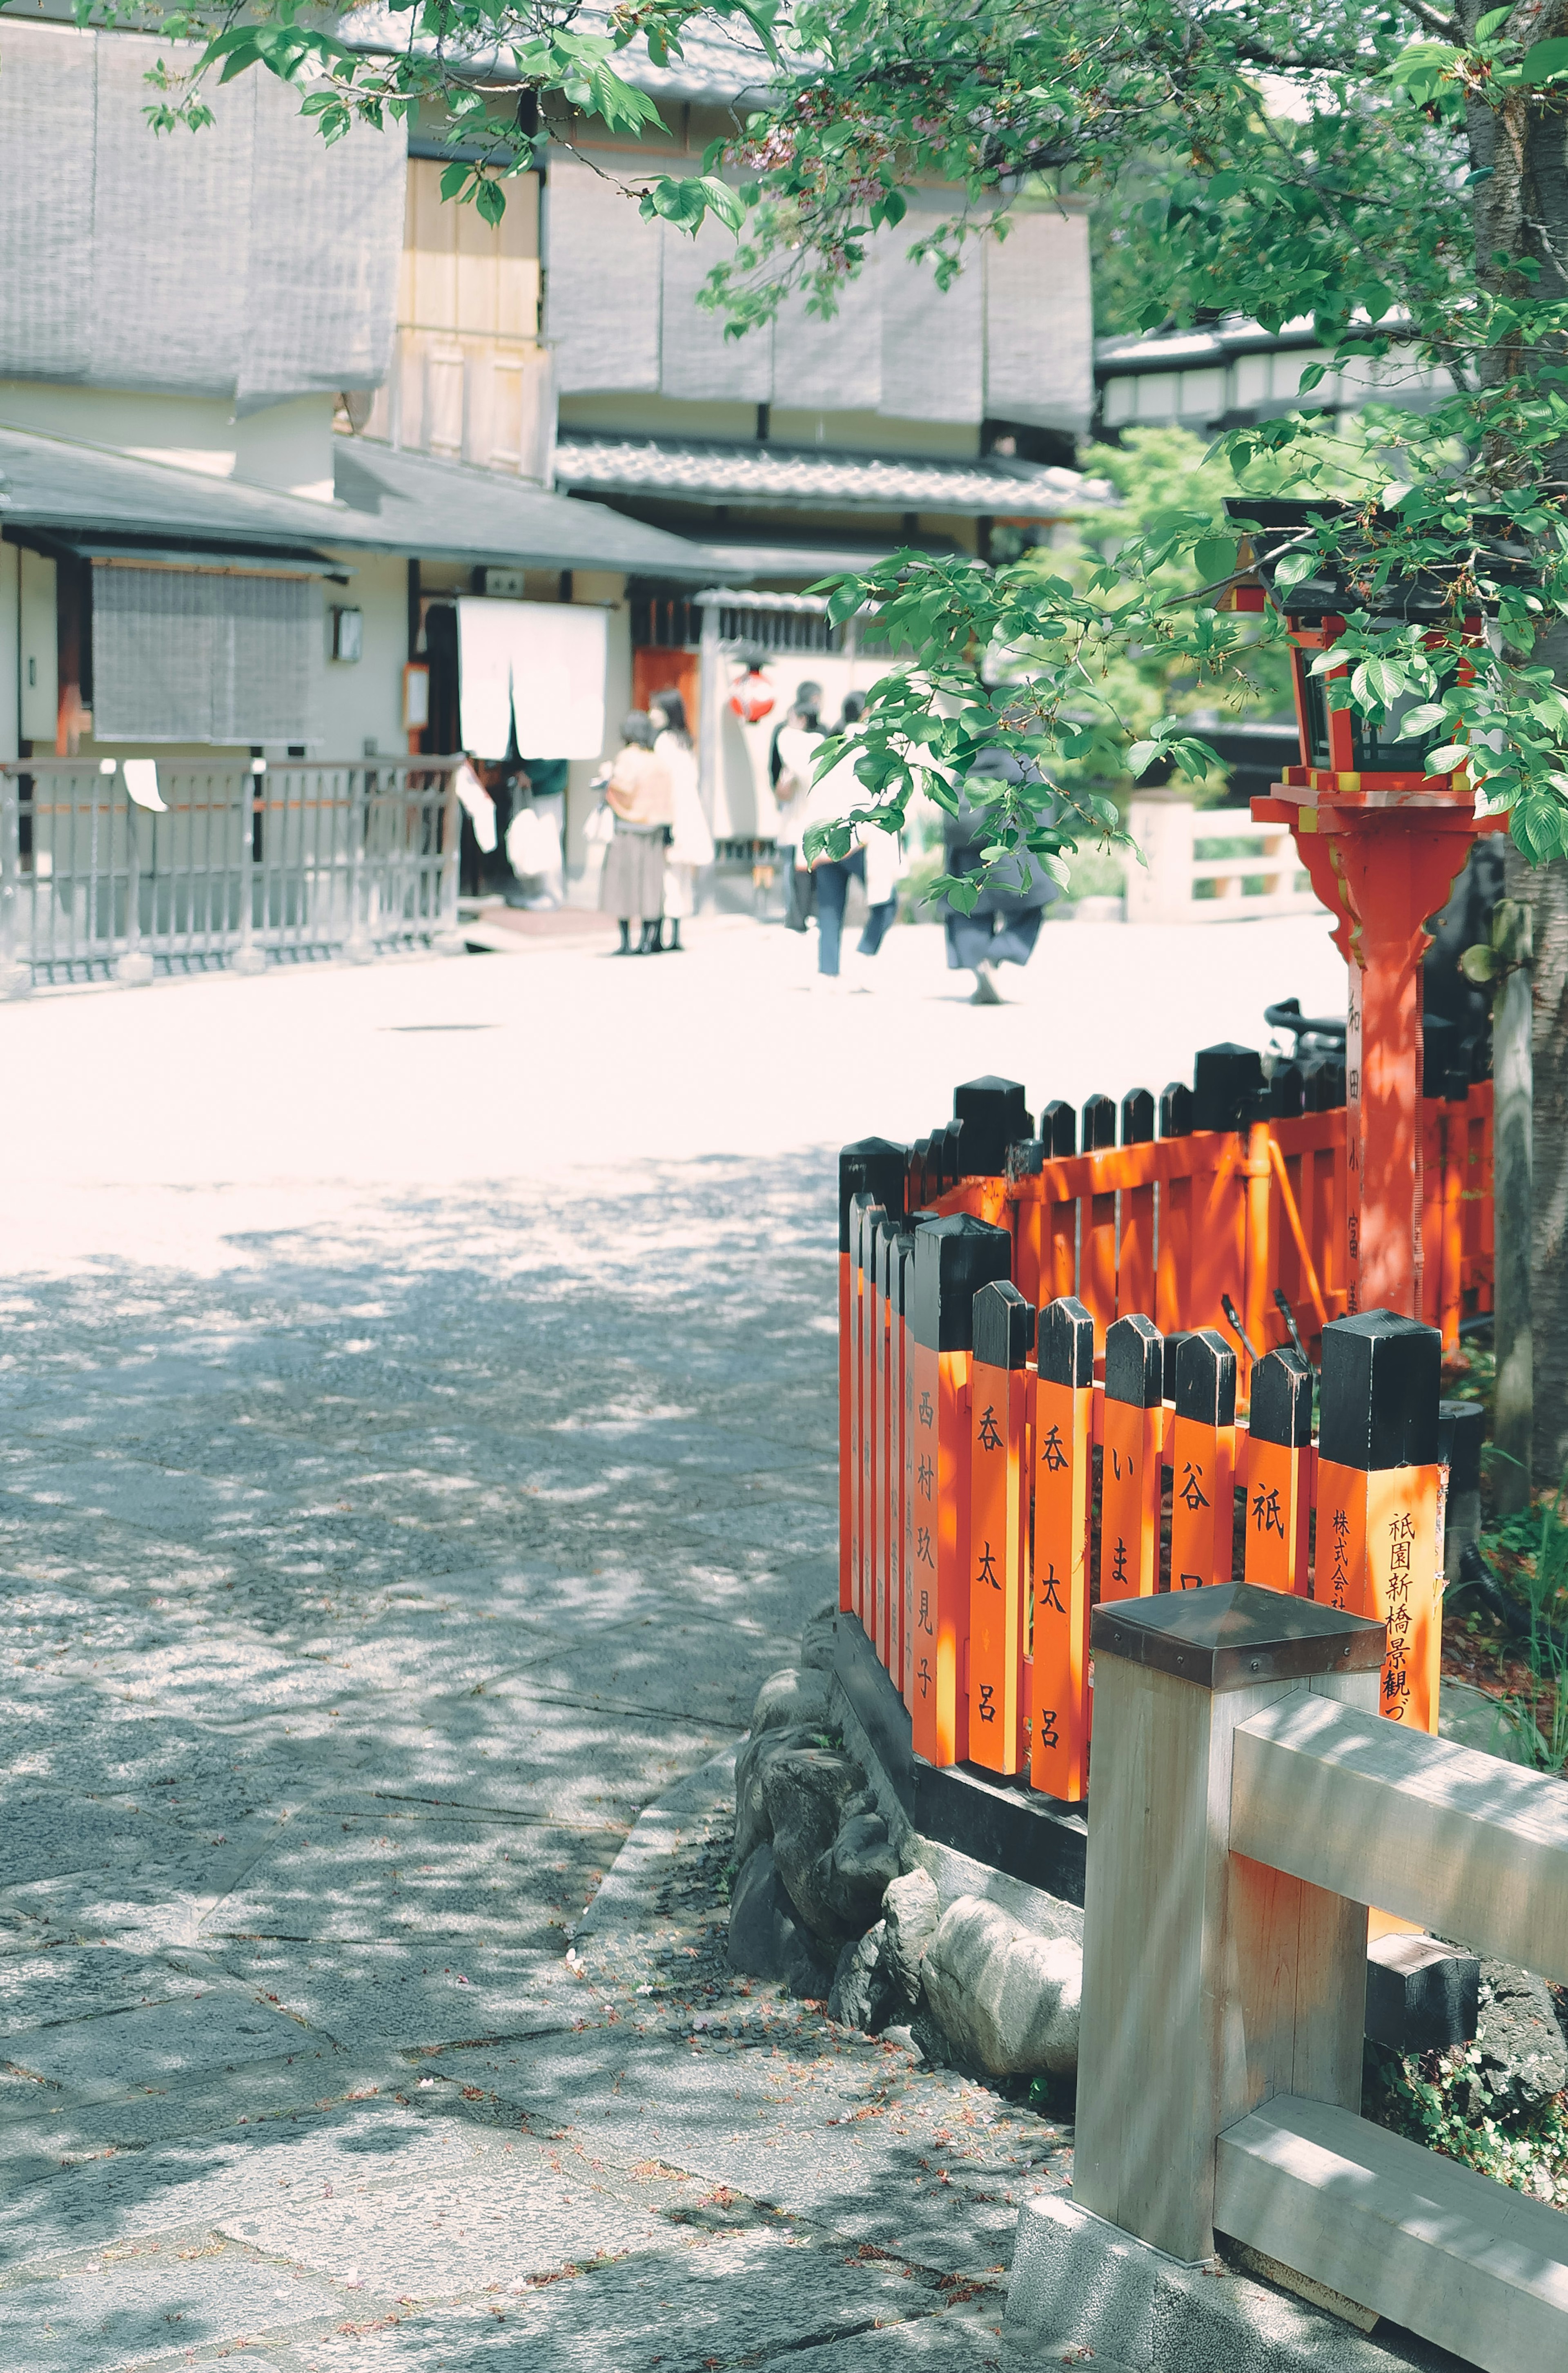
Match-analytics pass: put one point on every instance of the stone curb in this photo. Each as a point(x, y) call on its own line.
point(1081, 2288)
point(657, 1833)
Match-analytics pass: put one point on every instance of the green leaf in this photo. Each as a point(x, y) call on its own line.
point(1490, 21)
point(491, 200)
point(1215, 557)
point(1443, 761)
point(1142, 756)
point(1543, 61)
point(1293, 566)
point(1479, 965)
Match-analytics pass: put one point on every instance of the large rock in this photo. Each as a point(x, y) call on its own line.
point(1523, 2056)
point(862, 1992)
point(766, 1939)
point(807, 1791)
point(791, 1700)
point(910, 1908)
point(1007, 1998)
point(753, 1825)
point(852, 1877)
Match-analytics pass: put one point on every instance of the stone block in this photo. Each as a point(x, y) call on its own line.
point(807, 1791)
point(863, 1994)
point(1007, 1999)
point(1421, 1995)
point(767, 1938)
point(1522, 2049)
point(1082, 2289)
point(753, 1823)
point(911, 1910)
point(817, 1639)
point(791, 1700)
point(852, 1877)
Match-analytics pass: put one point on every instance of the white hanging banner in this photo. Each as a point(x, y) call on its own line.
point(537, 666)
point(560, 654)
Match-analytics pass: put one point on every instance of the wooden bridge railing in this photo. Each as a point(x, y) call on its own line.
point(1248, 1805)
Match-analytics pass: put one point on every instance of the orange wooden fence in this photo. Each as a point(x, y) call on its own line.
point(1018, 1440)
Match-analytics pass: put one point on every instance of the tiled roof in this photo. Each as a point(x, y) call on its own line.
point(785, 476)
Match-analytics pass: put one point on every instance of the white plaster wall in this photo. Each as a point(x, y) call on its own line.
point(364, 702)
point(40, 652)
point(744, 808)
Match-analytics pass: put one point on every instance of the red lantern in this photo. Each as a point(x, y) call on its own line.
point(751, 697)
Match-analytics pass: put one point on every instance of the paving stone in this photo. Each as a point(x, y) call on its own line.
point(737, 2295)
point(195, 2184)
point(507, 2221)
point(119, 2051)
point(150, 2304)
point(409, 1993)
point(72, 1982)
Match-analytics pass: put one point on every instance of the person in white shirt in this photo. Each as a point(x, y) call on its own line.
point(690, 841)
point(874, 858)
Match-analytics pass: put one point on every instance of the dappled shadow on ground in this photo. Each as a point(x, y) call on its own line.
point(365, 1584)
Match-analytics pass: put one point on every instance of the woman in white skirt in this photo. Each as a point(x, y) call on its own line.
point(691, 843)
point(638, 793)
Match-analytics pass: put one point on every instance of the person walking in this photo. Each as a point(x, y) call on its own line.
point(690, 842)
point(791, 754)
point(872, 859)
point(641, 799)
point(1007, 915)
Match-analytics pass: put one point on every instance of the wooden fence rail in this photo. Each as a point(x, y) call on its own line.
point(1249, 1805)
point(1010, 1454)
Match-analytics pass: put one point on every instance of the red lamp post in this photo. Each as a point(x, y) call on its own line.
point(1382, 842)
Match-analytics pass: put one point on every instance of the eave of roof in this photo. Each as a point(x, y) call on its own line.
point(814, 477)
point(388, 501)
point(1192, 349)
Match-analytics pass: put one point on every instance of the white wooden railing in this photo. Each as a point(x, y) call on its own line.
point(1250, 1803)
point(1256, 872)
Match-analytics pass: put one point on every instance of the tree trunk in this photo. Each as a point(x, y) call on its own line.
point(1521, 210)
point(1545, 890)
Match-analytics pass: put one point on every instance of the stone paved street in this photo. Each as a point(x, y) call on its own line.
point(418, 1446)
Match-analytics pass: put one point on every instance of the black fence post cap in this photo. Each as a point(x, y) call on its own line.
point(991, 1113)
point(954, 1256)
point(1065, 1344)
point(1205, 1378)
point(1003, 1325)
point(874, 1167)
point(1223, 1077)
point(1134, 1362)
point(1100, 1123)
point(1381, 1384)
point(1233, 1635)
point(1460, 1425)
point(1175, 1109)
point(1280, 1410)
point(1059, 1128)
point(1137, 1118)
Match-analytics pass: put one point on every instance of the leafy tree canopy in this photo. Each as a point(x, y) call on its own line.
point(1393, 171)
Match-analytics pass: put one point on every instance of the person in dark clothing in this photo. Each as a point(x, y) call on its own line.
point(1006, 920)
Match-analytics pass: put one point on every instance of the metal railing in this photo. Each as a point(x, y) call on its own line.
point(243, 865)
